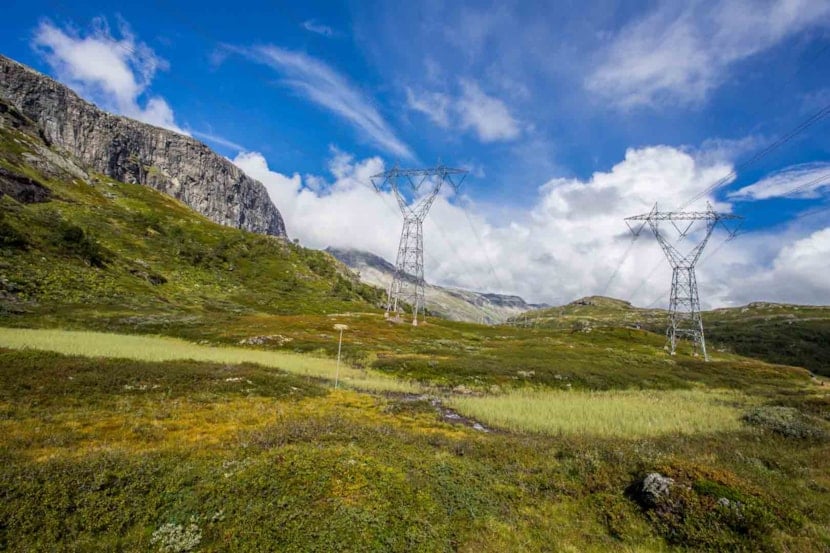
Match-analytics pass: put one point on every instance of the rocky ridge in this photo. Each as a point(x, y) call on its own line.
point(135, 152)
point(451, 303)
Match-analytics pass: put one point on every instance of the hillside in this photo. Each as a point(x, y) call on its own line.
point(779, 333)
point(454, 304)
point(76, 241)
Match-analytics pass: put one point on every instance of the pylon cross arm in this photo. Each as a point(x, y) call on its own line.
point(408, 284)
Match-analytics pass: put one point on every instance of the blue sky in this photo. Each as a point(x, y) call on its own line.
point(567, 114)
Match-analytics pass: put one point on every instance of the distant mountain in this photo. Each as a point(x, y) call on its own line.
point(452, 303)
point(775, 332)
point(133, 152)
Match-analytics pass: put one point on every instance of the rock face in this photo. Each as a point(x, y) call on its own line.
point(135, 152)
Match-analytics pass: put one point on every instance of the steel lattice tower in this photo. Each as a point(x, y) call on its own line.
point(415, 190)
point(684, 303)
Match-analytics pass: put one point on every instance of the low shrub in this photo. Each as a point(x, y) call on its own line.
point(786, 421)
point(73, 239)
point(10, 237)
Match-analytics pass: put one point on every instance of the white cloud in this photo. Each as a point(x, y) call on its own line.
point(434, 105)
point(681, 51)
point(113, 72)
point(567, 245)
point(787, 265)
point(324, 86)
point(318, 28)
point(344, 213)
point(472, 110)
point(800, 181)
point(216, 139)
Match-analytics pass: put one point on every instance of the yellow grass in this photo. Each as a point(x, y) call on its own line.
point(196, 425)
point(158, 349)
point(622, 414)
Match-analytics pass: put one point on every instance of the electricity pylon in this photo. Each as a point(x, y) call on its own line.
point(415, 190)
point(684, 303)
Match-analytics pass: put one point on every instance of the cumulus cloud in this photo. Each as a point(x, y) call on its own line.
point(473, 110)
point(681, 51)
point(566, 246)
point(319, 83)
point(114, 72)
point(807, 180)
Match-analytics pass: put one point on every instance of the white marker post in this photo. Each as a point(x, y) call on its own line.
point(341, 328)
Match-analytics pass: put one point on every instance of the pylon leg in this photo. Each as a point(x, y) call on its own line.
point(408, 282)
point(684, 311)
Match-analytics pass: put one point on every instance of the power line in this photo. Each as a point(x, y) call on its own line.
point(483, 249)
point(801, 127)
point(620, 264)
point(812, 183)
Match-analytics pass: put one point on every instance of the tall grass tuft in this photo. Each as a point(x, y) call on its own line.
point(620, 414)
point(157, 349)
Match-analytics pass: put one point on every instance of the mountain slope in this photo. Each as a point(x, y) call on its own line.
point(78, 242)
point(779, 333)
point(134, 152)
point(451, 303)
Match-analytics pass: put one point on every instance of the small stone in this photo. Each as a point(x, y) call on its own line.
point(655, 487)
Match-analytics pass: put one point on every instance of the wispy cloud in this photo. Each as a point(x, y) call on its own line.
point(807, 180)
point(313, 26)
point(215, 139)
point(434, 105)
point(113, 72)
point(321, 84)
point(680, 52)
point(488, 117)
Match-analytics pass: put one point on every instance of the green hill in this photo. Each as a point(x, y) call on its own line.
point(779, 333)
point(76, 245)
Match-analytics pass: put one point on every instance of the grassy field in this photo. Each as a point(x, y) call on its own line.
point(159, 348)
point(116, 454)
point(623, 414)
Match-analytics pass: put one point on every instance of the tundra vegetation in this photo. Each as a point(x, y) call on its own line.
point(166, 384)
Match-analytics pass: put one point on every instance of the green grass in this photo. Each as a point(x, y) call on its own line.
point(795, 335)
point(627, 414)
point(157, 348)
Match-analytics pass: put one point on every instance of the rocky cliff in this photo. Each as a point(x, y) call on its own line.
point(135, 152)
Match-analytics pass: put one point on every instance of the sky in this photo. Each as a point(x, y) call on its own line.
point(569, 116)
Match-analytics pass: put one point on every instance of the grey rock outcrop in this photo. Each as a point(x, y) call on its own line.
point(131, 151)
point(654, 487)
